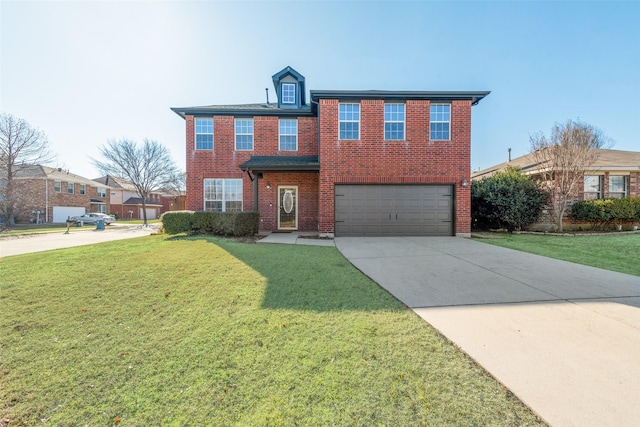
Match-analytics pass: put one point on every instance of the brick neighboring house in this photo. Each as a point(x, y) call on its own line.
point(173, 202)
point(348, 163)
point(55, 194)
point(616, 173)
point(125, 201)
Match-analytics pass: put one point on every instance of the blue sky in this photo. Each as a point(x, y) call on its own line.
point(85, 72)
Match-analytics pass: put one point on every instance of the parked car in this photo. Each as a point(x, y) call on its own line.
point(91, 218)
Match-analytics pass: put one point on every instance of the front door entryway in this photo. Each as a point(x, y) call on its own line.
point(287, 207)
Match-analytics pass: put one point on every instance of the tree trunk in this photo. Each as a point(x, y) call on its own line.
point(144, 211)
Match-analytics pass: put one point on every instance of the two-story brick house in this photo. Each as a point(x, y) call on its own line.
point(347, 163)
point(51, 195)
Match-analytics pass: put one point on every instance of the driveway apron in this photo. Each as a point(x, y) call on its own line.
point(563, 337)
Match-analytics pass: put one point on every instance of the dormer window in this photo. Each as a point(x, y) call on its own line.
point(288, 93)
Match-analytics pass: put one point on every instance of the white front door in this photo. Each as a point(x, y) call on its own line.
point(287, 207)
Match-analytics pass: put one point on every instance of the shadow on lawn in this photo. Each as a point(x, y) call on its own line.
point(309, 278)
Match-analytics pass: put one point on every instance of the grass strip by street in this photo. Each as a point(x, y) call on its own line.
point(616, 252)
point(208, 331)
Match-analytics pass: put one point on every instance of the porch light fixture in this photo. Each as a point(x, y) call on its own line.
point(464, 182)
point(268, 185)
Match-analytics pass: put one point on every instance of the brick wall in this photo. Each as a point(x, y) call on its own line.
point(377, 161)
point(224, 161)
point(39, 190)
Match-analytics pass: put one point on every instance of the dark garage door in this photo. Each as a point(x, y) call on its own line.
point(379, 210)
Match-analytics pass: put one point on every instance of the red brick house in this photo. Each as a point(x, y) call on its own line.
point(51, 195)
point(347, 163)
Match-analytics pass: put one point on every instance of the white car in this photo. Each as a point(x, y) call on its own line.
point(91, 218)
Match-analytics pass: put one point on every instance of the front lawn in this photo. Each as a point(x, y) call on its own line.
point(617, 252)
point(207, 331)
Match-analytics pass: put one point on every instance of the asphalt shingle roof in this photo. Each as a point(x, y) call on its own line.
point(293, 163)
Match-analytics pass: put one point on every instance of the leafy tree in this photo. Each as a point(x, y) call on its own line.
point(507, 199)
point(562, 159)
point(149, 166)
point(21, 147)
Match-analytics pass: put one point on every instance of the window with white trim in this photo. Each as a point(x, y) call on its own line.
point(349, 121)
point(618, 186)
point(223, 195)
point(70, 187)
point(244, 134)
point(288, 135)
point(440, 122)
point(394, 121)
point(57, 186)
point(288, 93)
point(83, 189)
point(204, 134)
point(102, 192)
point(592, 187)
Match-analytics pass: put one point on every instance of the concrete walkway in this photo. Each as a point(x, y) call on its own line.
point(563, 337)
point(296, 238)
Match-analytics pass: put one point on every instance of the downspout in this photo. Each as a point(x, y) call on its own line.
point(46, 199)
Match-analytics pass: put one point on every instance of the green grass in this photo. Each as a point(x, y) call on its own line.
point(207, 331)
point(617, 252)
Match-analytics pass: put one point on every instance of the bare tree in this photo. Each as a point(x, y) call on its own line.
point(177, 184)
point(562, 159)
point(148, 166)
point(21, 146)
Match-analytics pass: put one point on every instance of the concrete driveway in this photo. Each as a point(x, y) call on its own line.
point(45, 242)
point(563, 337)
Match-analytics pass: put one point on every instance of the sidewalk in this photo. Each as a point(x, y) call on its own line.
point(24, 244)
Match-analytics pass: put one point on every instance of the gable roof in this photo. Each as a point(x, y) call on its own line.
point(54, 174)
point(288, 71)
point(608, 160)
point(116, 183)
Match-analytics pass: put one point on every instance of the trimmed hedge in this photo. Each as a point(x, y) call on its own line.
point(216, 223)
point(602, 213)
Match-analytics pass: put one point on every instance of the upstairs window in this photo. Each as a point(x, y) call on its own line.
point(70, 187)
point(349, 121)
point(288, 93)
point(223, 195)
point(57, 186)
point(288, 135)
point(617, 186)
point(204, 134)
point(83, 189)
point(102, 192)
point(440, 117)
point(244, 134)
point(394, 121)
point(592, 187)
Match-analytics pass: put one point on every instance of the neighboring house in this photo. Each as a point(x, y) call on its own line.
point(54, 194)
point(347, 163)
point(173, 202)
point(615, 174)
point(125, 201)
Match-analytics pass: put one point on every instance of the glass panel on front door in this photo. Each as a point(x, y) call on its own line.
point(288, 208)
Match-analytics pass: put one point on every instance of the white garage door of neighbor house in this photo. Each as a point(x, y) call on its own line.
point(151, 213)
point(61, 213)
point(388, 210)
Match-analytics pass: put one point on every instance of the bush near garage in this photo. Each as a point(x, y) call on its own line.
point(212, 223)
point(605, 213)
point(507, 199)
